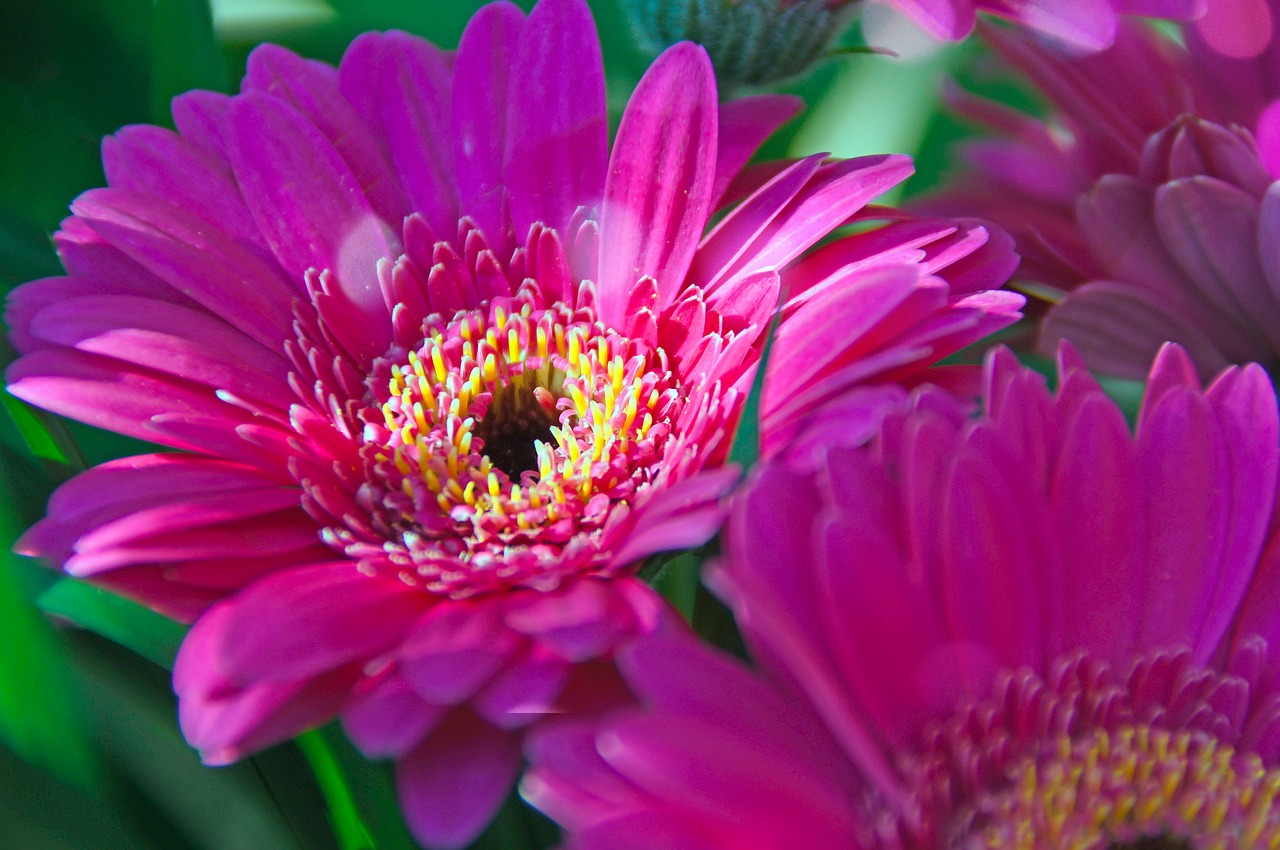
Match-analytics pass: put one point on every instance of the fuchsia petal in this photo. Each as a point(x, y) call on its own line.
point(1104, 535)
point(744, 125)
point(312, 619)
point(482, 80)
point(152, 161)
point(652, 227)
point(225, 723)
point(451, 785)
point(387, 719)
point(949, 19)
point(310, 206)
point(311, 88)
point(455, 648)
point(222, 275)
point(557, 146)
point(401, 86)
point(185, 343)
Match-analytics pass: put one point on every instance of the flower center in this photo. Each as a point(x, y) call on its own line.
point(1136, 787)
point(508, 432)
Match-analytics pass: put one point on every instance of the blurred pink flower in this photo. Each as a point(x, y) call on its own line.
point(1033, 629)
point(443, 372)
point(1083, 24)
point(1139, 200)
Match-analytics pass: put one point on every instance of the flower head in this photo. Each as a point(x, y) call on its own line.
point(1033, 629)
point(443, 371)
point(1140, 202)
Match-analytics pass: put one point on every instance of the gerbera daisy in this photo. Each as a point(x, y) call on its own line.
point(443, 372)
point(1033, 629)
point(1142, 202)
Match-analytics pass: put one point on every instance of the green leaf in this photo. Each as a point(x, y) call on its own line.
point(44, 435)
point(350, 831)
point(1126, 393)
point(677, 580)
point(41, 709)
point(136, 627)
point(746, 444)
point(184, 53)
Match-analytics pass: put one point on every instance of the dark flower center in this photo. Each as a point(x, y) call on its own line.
point(1162, 842)
point(515, 422)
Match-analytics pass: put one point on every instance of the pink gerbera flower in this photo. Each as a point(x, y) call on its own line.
point(1035, 629)
point(1087, 24)
point(1143, 202)
point(443, 371)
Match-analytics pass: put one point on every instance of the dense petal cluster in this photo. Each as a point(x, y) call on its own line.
point(1140, 203)
point(443, 370)
point(1031, 629)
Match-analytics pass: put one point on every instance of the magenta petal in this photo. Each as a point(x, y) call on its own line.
point(949, 19)
point(744, 125)
point(310, 206)
point(658, 194)
point(1090, 24)
point(482, 79)
point(581, 621)
point(118, 488)
point(401, 87)
point(721, 776)
point(311, 619)
point(95, 390)
point(185, 343)
point(1245, 404)
point(1094, 493)
point(836, 191)
point(201, 118)
point(387, 718)
point(454, 782)
point(312, 89)
point(455, 648)
point(195, 259)
point(156, 162)
point(1182, 454)
point(525, 691)
point(557, 146)
point(681, 516)
point(226, 723)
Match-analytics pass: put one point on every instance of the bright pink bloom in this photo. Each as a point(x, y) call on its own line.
point(1035, 629)
point(1087, 24)
point(444, 371)
point(1151, 224)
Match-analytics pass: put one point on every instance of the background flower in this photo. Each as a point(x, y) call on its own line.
point(1140, 199)
point(1030, 629)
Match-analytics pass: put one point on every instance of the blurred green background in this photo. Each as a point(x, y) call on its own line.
point(90, 753)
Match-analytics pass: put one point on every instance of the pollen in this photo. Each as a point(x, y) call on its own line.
point(497, 431)
point(1133, 786)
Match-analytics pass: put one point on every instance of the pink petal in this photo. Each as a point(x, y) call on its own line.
point(658, 194)
point(482, 80)
point(453, 783)
point(401, 87)
point(310, 206)
point(312, 89)
point(387, 719)
point(311, 619)
point(195, 259)
point(557, 146)
point(745, 124)
point(455, 648)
